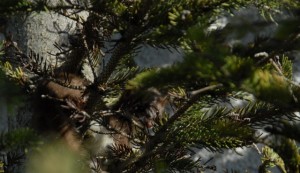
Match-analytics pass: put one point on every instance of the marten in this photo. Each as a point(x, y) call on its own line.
point(52, 117)
point(59, 98)
point(55, 101)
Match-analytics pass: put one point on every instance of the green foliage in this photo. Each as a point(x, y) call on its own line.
point(288, 151)
point(271, 159)
point(219, 66)
point(11, 6)
point(259, 114)
point(212, 71)
point(210, 130)
point(9, 90)
point(18, 138)
point(270, 87)
point(16, 74)
point(287, 67)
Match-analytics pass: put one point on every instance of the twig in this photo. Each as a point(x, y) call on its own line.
point(288, 80)
point(192, 100)
point(150, 146)
point(281, 73)
point(122, 48)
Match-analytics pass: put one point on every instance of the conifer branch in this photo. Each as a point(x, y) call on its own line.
point(122, 49)
point(150, 146)
point(164, 24)
point(281, 73)
point(125, 44)
point(181, 111)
